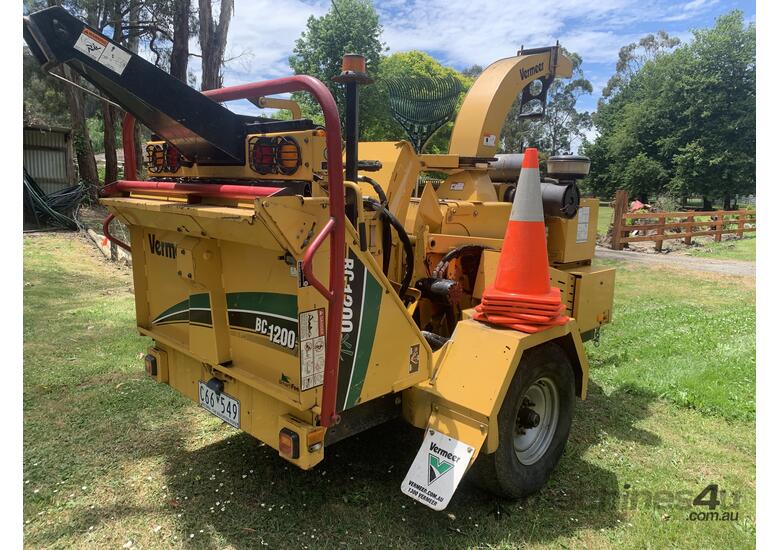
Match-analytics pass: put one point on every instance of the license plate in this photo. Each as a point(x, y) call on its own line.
point(220, 405)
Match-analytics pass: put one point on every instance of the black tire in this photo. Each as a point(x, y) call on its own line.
point(502, 473)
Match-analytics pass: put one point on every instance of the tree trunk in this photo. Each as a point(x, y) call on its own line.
point(109, 144)
point(180, 51)
point(109, 116)
point(85, 155)
point(727, 202)
point(213, 40)
point(134, 16)
point(132, 45)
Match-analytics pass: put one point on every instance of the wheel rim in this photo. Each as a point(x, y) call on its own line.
point(536, 421)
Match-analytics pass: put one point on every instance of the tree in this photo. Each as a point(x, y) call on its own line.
point(472, 72)
point(633, 56)
point(350, 26)
point(85, 155)
point(213, 40)
point(686, 117)
point(44, 103)
point(180, 48)
point(412, 64)
point(562, 122)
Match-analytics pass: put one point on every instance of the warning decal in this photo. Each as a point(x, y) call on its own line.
point(91, 44)
point(437, 470)
point(100, 49)
point(115, 58)
point(583, 218)
point(311, 328)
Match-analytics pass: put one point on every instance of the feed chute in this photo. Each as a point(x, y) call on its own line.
point(201, 129)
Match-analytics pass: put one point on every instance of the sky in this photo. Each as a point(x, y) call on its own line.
point(461, 33)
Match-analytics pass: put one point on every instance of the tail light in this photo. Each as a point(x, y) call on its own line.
point(150, 364)
point(155, 157)
point(162, 157)
point(263, 158)
point(288, 155)
point(315, 439)
point(289, 443)
point(277, 155)
point(172, 158)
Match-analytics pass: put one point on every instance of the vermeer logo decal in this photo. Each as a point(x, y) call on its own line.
point(437, 468)
point(530, 71)
point(161, 248)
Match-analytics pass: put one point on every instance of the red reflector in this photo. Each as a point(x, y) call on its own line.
point(289, 443)
point(263, 155)
point(172, 158)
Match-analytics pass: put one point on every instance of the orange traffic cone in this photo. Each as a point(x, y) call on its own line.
point(521, 296)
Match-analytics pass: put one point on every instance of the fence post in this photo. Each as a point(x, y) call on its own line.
point(689, 230)
point(741, 222)
point(659, 245)
point(621, 205)
point(718, 225)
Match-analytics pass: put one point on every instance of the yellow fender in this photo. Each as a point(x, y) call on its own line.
point(472, 373)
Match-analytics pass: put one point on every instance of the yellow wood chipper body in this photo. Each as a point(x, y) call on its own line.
point(303, 303)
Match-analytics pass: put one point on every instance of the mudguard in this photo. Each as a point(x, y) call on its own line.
point(458, 406)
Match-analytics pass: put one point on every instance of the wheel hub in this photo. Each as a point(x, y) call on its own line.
point(536, 421)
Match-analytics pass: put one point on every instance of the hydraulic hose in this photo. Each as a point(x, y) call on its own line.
point(377, 188)
point(403, 237)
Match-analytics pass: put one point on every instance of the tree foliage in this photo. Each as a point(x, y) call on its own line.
point(683, 123)
point(412, 64)
point(352, 26)
point(632, 56)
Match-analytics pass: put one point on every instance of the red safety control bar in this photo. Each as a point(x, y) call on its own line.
point(196, 189)
point(333, 229)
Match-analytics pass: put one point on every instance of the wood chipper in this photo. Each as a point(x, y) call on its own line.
point(303, 290)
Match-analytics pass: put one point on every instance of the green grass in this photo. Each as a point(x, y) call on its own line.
point(606, 213)
point(738, 249)
point(690, 340)
point(111, 457)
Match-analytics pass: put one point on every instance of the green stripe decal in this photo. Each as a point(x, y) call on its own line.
point(371, 300)
point(270, 302)
point(362, 297)
point(180, 313)
point(200, 301)
point(266, 313)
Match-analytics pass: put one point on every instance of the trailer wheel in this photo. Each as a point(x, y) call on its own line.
point(533, 425)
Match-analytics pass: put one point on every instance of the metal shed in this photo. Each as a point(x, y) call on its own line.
point(48, 156)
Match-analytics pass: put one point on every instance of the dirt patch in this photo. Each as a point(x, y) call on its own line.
point(692, 263)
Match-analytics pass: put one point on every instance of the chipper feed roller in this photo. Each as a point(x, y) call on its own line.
point(304, 290)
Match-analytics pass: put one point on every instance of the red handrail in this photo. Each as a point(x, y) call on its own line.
point(225, 191)
point(110, 237)
point(334, 228)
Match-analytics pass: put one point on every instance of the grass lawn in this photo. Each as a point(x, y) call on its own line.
point(606, 213)
point(113, 459)
point(738, 249)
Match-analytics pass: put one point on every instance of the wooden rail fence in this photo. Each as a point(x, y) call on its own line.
point(654, 226)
